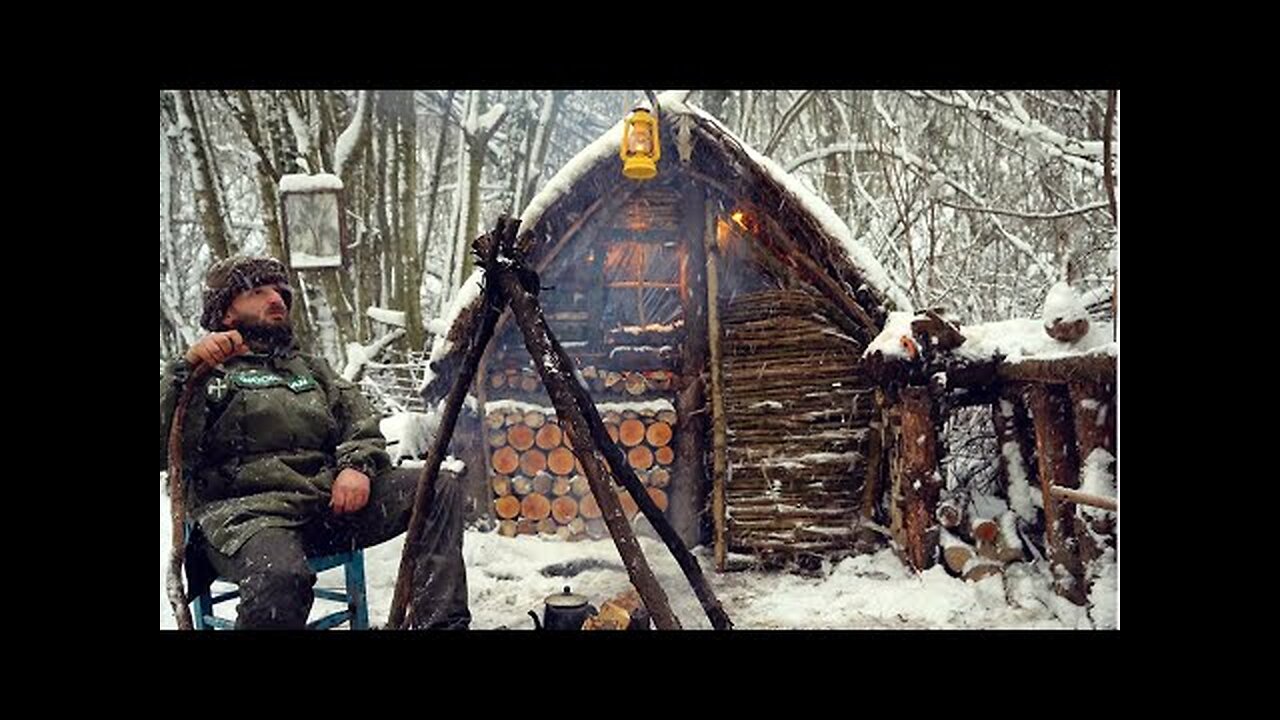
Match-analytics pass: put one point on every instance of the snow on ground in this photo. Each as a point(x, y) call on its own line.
point(505, 580)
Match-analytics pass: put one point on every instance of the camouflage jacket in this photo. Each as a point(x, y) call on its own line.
point(263, 439)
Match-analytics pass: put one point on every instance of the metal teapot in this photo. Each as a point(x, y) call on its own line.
point(563, 611)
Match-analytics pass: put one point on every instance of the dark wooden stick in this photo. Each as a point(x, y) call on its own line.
point(1055, 449)
point(178, 505)
point(487, 248)
point(558, 376)
point(921, 481)
point(623, 471)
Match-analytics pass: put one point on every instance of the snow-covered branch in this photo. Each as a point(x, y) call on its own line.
point(360, 355)
point(1030, 215)
point(352, 140)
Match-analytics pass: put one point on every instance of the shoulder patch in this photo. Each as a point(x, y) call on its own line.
point(301, 383)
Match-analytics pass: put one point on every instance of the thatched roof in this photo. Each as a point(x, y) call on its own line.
point(717, 155)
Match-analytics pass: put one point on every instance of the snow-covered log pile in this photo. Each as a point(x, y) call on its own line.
point(1051, 386)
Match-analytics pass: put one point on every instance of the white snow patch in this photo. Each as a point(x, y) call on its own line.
point(309, 183)
point(390, 317)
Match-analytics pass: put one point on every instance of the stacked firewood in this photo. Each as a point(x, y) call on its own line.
point(797, 408)
point(539, 486)
point(601, 381)
point(974, 546)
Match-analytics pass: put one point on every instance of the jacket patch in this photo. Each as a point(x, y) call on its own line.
point(257, 379)
point(217, 389)
point(301, 383)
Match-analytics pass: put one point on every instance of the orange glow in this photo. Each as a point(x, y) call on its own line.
point(738, 217)
point(722, 234)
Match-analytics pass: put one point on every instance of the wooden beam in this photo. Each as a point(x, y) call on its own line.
point(689, 484)
point(718, 429)
point(1085, 499)
point(1094, 368)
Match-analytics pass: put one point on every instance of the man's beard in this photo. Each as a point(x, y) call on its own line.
point(270, 339)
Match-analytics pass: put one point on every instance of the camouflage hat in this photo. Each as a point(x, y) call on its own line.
point(228, 278)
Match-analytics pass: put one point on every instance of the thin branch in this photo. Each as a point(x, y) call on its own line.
point(1027, 215)
point(787, 118)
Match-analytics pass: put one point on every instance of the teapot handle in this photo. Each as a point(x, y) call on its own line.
point(536, 625)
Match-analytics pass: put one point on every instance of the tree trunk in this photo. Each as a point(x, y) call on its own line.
point(203, 180)
point(411, 285)
point(1055, 448)
point(921, 481)
point(1017, 473)
point(691, 421)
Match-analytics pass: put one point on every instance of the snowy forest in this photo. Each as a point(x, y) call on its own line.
point(983, 207)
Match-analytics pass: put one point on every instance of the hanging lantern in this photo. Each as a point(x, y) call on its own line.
point(640, 148)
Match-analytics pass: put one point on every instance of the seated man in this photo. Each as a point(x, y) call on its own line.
point(284, 460)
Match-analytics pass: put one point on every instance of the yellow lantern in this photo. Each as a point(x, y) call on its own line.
point(640, 148)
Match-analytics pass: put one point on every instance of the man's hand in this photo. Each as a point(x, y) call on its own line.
point(350, 491)
point(216, 348)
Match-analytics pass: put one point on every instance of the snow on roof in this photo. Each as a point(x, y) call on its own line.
point(1017, 339)
point(309, 183)
point(606, 146)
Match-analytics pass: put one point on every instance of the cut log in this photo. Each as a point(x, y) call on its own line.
point(507, 528)
point(665, 455)
point(640, 457)
point(501, 485)
point(580, 487)
point(520, 437)
point(535, 419)
point(667, 416)
point(533, 461)
point(521, 485)
point(578, 526)
point(596, 529)
point(529, 383)
point(561, 460)
point(527, 526)
point(955, 552)
point(564, 509)
point(613, 432)
point(497, 380)
point(513, 418)
point(612, 417)
point(659, 477)
point(658, 434)
point(636, 384)
point(629, 506)
point(505, 460)
point(542, 483)
point(495, 420)
point(979, 568)
point(564, 533)
point(951, 512)
point(535, 506)
point(588, 507)
point(984, 530)
point(647, 412)
point(547, 526)
point(611, 380)
point(560, 487)
point(507, 507)
point(631, 432)
point(548, 436)
point(497, 438)
point(659, 498)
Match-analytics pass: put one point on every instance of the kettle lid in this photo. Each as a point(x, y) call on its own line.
point(566, 599)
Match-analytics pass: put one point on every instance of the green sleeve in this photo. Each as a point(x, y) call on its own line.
point(360, 441)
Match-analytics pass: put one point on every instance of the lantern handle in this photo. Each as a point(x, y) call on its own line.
point(653, 98)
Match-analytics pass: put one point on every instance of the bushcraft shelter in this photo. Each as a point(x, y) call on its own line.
point(718, 314)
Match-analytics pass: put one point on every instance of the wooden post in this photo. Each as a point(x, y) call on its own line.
point(718, 429)
point(688, 490)
point(921, 481)
point(398, 617)
point(1055, 449)
point(1094, 411)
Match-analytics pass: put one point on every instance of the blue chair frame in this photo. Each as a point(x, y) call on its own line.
point(354, 595)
